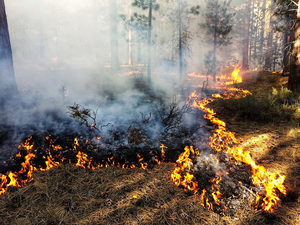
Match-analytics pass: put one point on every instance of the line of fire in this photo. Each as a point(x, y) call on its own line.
point(269, 185)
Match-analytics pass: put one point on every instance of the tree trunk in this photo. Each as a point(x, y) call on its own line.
point(130, 41)
point(8, 85)
point(114, 36)
point(294, 78)
point(287, 47)
point(245, 62)
point(149, 44)
point(275, 52)
point(251, 31)
point(262, 32)
point(180, 40)
point(269, 51)
point(214, 58)
point(269, 47)
point(139, 52)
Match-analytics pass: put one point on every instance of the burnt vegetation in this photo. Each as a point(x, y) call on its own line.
point(165, 121)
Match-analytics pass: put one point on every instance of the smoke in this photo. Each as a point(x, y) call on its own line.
point(62, 56)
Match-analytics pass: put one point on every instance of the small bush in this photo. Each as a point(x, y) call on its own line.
point(261, 110)
point(285, 96)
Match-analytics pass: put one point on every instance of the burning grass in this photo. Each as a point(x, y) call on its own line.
point(71, 195)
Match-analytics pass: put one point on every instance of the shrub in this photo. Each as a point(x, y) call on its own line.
point(285, 96)
point(262, 110)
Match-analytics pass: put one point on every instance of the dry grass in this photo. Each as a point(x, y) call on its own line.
point(71, 195)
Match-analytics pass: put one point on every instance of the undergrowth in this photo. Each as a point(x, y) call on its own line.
point(279, 105)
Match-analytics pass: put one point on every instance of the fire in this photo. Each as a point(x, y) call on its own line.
point(82, 160)
point(194, 74)
point(235, 77)
point(51, 160)
point(50, 163)
point(185, 164)
point(222, 140)
point(76, 144)
point(132, 73)
point(225, 141)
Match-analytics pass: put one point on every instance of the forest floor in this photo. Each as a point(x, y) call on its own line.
point(71, 195)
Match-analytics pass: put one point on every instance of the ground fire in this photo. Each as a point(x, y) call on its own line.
point(191, 168)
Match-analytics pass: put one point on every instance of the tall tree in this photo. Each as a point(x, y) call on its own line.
point(290, 12)
point(245, 61)
point(149, 42)
point(294, 78)
point(217, 26)
point(114, 35)
point(149, 5)
point(8, 86)
point(180, 16)
point(285, 13)
point(262, 30)
point(183, 34)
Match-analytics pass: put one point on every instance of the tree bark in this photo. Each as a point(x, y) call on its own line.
point(214, 58)
point(245, 62)
point(294, 78)
point(114, 36)
point(269, 47)
point(269, 51)
point(149, 44)
point(262, 31)
point(8, 85)
point(180, 40)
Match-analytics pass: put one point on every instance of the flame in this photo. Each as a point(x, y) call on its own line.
point(82, 160)
point(76, 144)
point(142, 164)
point(26, 145)
point(194, 74)
point(185, 164)
point(22, 177)
point(131, 73)
point(13, 180)
point(55, 147)
point(50, 163)
point(3, 183)
point(224, 140)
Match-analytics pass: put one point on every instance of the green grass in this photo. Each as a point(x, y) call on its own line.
point(280, 105)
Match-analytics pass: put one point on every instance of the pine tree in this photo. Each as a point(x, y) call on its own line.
point(8, 86)
point(114, 36)
point(289, 12)
point(149, 5)
point(217, 26)
point(245, 61)
point(181, 17)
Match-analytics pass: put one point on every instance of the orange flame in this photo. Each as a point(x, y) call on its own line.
point(224, 140)
point(185, 165)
